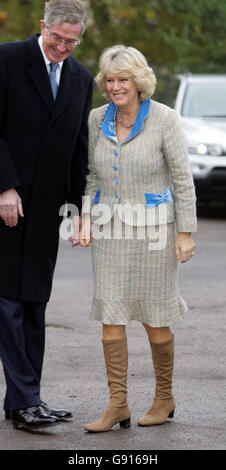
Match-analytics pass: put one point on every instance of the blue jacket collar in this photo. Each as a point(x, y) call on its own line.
point(108, 125)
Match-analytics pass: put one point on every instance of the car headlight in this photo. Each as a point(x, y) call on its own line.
point(205, 149)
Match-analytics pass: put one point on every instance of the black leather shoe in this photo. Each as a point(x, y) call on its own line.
point(32, 418)
point(61, 414)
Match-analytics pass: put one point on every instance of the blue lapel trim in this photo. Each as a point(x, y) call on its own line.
point(108, 125)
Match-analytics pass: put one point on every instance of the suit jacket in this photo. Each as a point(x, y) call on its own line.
point(150, 168)
point(43, 154)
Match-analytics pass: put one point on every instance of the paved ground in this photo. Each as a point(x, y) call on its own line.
point(74, 371)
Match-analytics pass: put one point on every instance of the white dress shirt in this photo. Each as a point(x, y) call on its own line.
point(48, 62)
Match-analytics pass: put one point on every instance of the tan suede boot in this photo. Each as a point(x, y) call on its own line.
point(116, 360)
point(163, 405)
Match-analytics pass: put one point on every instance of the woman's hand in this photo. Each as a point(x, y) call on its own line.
point(85, 234)
point(184, 246)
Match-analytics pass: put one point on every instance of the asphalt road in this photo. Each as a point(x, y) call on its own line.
point(74, 370)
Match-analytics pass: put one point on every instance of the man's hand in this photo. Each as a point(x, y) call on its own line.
point(184, 246)
point(10, 207)
point(77, 223)
point(82, 231)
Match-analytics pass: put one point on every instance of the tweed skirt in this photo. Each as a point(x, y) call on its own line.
point(137, 279)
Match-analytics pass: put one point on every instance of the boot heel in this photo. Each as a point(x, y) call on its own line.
point(125, 423)
point(171, 415)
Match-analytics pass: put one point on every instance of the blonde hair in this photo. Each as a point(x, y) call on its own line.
point(126, 61)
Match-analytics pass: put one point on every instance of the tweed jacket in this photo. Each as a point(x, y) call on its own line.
point(150, 168)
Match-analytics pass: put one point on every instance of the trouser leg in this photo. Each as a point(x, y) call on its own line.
point(34, 333)
point(22, 380)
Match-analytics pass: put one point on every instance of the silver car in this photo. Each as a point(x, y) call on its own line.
point(201, 104)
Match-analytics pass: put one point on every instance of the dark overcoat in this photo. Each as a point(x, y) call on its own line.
point(43, 155)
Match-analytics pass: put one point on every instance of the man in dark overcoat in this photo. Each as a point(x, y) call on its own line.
point(45, 100)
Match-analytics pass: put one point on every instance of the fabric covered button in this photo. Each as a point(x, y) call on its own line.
point(116, 181)
point(117, 195)
point(116, 153)
point(115, 167)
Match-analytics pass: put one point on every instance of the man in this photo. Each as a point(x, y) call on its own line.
point(43, 163)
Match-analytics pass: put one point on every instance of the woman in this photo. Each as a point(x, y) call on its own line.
point(138, 157)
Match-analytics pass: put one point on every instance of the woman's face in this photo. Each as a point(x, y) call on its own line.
point(121, 90)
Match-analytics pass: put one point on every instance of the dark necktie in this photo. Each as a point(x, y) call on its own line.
point(52, 77)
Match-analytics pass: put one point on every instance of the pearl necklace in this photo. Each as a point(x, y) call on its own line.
point(130, 124)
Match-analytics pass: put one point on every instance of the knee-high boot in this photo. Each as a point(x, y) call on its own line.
point(116, 360)
point(163, 405)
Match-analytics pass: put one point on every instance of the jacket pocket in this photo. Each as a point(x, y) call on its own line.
point(154, 199)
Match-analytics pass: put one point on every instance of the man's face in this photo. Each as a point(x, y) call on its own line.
point(59, 40)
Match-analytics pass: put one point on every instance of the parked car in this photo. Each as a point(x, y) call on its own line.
point(200, 101)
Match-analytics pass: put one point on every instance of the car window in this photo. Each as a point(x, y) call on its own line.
point(205, 100)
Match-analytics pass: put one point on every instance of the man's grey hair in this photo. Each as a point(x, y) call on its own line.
point(65, 11)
